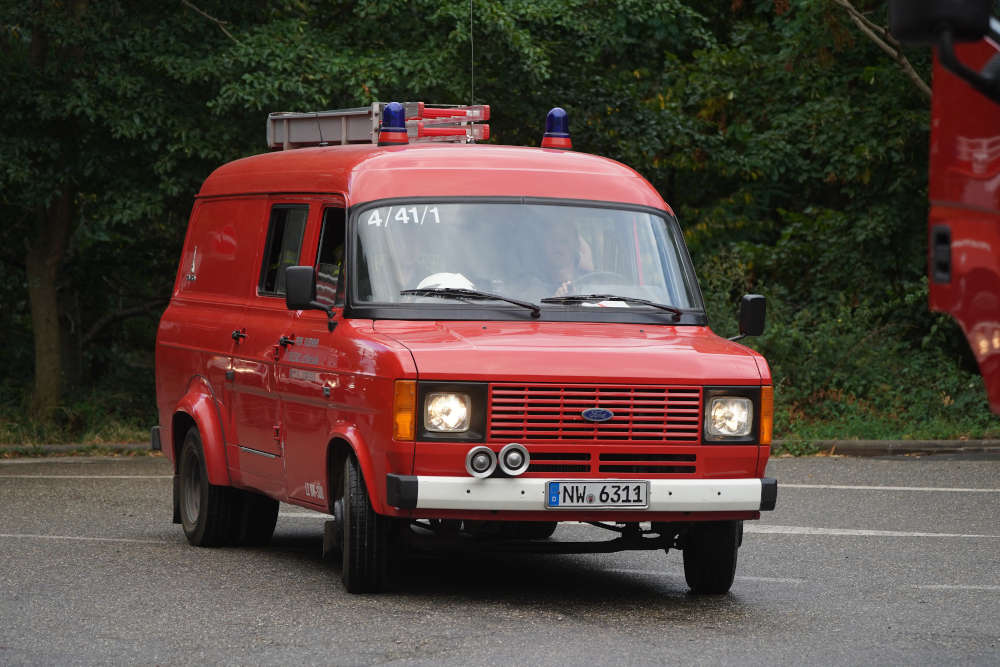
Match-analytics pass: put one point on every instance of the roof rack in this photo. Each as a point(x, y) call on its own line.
point(360, 125)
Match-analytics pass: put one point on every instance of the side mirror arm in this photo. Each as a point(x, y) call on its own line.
point(752, 314)
point(331, 322)
point(986, 82)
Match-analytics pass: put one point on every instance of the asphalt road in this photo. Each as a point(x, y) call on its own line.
point(883, 561)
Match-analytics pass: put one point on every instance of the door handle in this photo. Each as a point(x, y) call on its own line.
point(941, 253)
point(238, 334)
point(285, 341)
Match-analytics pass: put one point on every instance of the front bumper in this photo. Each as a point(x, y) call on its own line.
point(518, 494)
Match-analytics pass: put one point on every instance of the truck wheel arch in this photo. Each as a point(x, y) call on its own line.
point(199, 408)
point(339, 448)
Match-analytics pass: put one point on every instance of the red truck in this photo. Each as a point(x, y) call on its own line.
point(444, 343)
point(964, 222)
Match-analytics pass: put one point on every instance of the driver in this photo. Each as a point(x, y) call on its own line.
point(568, 257)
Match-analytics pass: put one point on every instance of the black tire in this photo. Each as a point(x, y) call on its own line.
point(710, 552)
point(369, 541)
point(257, 516)
point(206, 510)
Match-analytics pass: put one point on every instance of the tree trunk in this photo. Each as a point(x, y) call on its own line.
point(42, 264)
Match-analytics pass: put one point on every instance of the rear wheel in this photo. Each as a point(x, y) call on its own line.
point(206, 510)
point(369, 540)
point(710, 556)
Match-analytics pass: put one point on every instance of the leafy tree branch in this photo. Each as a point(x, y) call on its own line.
point(881, 37)
point(108, 319)
point(219, 22)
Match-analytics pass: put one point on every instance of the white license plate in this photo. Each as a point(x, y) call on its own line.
point(593, 494)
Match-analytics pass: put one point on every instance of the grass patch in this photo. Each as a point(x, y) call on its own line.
point(794, 448)
point(40, 451)
point(29, 432)
point(97, 418)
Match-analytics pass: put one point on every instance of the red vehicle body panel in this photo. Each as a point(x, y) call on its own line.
point(551, 352)
point(965, 199)
point(282, 410)
point(423, 170)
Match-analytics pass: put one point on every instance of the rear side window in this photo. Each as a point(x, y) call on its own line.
point(284, 243)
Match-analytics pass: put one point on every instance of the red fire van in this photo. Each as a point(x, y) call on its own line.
point(963, 268)
point(433, 340)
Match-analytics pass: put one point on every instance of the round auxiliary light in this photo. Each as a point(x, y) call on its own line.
point(480, 462)
point(514, 459)
point(557, 130)
point(393, 130)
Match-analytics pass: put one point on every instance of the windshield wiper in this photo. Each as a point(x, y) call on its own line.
point(577, 298)
point(462, 293)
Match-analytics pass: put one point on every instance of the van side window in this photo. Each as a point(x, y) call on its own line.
point(284, 243)
point(330, 259)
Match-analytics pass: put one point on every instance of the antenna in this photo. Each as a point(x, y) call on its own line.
point(319, 128)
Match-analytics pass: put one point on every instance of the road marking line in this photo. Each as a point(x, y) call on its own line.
point(957, 587)
point(773, 580)
point(84, 539)
point(86, 476)
point(852, 532)
point(671, 575)
point(884, 488)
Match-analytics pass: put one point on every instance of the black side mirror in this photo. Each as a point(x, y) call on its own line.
point(300, 288)
point(300, 292)
point(753, 308)
point(945, 23)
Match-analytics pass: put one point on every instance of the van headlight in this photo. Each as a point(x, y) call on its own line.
point(729, 417)
point(447, 412)
point(451, 411)
point(732, 415)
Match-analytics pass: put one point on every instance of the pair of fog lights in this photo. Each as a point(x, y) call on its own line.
point(482, 461)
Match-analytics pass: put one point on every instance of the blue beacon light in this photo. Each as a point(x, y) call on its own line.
point(557, 130)
point(393, 130)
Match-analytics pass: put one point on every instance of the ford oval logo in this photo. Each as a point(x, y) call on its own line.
point(597, 414)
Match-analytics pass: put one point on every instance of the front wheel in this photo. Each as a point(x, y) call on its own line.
point(710, 556)
point(206, 510)
point(369, 544)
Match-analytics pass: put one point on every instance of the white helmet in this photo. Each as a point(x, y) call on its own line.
point(449, 280)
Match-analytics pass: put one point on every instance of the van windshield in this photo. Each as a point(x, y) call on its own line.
point(521, 251)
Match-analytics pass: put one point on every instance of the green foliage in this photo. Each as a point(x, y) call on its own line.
point(38, 451)
point(101, 416)
point(793, 150)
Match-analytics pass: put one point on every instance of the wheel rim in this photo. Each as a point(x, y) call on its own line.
point(191, 487)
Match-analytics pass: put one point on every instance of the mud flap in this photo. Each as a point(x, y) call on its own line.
point(177, 498)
